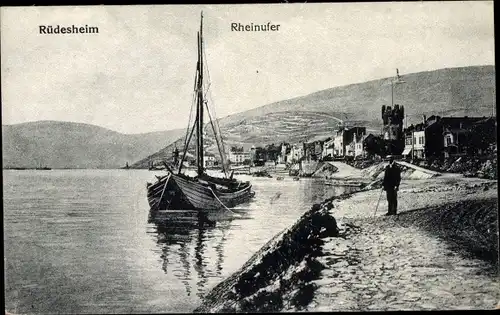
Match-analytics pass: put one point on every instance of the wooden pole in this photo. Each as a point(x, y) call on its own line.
point(200, 100)
point(392, 94)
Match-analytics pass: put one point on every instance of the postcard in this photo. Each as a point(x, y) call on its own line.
point(249, 157)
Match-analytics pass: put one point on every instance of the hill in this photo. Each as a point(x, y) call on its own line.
point(447, 92)
point(74, 145)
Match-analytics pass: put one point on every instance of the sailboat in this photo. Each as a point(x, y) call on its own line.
point(42, 168)
point(202, 192)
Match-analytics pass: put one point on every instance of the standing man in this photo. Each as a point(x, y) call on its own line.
point(392, 179)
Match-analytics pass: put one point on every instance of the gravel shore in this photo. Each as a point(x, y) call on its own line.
point(438, 253)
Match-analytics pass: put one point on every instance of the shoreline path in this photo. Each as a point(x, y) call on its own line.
point(392, 263)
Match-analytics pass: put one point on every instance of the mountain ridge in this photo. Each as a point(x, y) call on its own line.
point(381, 85)
point(459, 91)
point(450, 91)
point(61, 144)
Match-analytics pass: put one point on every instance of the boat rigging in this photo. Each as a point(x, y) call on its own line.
point(179, 191)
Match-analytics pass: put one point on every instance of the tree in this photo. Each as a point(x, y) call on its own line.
point(375, 145)
point(236, 149)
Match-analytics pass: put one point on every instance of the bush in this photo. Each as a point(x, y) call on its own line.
point(489, 169)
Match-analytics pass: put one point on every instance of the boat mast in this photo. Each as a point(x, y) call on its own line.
point(199, 109)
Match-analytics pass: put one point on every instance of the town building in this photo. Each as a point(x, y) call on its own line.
point(415, 141)
point(456, 141)
point(471, 139)
point(328, 149)
point(357, 147)
point(260, 157)
point(295, 154)
point(318, 149)
point(360, 146)
point(350, 148)
point(338, 143)
point(408, 149)
point(447, 136)
point(283, 157)
point(252, 154)
point(208, 160)
point(343, 140)
point(237, 155)
point(436, 126)
point(419, 144)
point(309, 151)
point(313, 150)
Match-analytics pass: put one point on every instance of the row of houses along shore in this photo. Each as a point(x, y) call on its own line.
point(434, 137)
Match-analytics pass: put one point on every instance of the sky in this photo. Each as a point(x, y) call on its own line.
point(137, 74)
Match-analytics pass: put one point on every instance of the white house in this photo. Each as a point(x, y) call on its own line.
point(345, 142)
point(282, 157)
point(238, 156)
point(295, 154)
point(208, 160)
point(419, 144)
point(359, 145)
point(328, 148)
point(289, 156)
point(350, 148)
point(338, 143)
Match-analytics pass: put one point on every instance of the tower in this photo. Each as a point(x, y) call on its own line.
point(392, 129)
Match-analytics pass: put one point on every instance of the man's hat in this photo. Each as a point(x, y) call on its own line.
point(391, 158)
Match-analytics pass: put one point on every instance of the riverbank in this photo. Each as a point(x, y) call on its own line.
point(484, 166)
point(279, 275)
point(434, 255)
point(438, 253)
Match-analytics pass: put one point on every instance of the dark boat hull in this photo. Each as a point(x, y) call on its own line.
point(183, 193)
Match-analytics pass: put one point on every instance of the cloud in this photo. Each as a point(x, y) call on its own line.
point(137, 74)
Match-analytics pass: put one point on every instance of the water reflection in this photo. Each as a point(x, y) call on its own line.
point(191, 245)
point(54, 261)
point(200, 249)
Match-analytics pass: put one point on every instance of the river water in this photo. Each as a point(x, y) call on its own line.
point(82, 241)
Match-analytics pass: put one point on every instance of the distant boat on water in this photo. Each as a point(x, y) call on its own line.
point(39, 167)
point(42, 168)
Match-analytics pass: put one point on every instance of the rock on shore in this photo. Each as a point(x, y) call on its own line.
point(376, 171)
